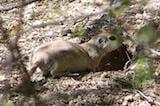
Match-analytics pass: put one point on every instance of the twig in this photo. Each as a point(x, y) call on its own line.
point(13, 47)
point(18, 35)
point(129, 60)
point(148, 98)
point(154, 53)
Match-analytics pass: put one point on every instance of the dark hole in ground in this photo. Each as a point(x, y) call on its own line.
point(115, 60)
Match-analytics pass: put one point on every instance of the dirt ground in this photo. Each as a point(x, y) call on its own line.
point(111, 86)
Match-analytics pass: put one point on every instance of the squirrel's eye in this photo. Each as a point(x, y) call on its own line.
point(112, 38)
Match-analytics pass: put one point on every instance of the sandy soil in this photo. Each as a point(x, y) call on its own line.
point(111, 86)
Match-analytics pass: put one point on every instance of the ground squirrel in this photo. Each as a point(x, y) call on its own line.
point(59, 56)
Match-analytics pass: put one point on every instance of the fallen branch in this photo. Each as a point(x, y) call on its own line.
point(154, 53)
point(148, 98)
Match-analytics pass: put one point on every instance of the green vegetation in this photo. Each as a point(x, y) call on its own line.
point(148, 34)
point(6, 103)
point(144, 71)
point(78, 31)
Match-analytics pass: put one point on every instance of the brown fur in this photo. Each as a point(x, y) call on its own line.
point(59, 56)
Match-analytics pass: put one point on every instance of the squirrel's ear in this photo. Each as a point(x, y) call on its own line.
point(99, 40)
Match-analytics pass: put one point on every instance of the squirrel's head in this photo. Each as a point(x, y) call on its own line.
point(103, 41)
